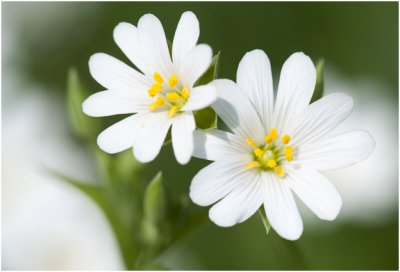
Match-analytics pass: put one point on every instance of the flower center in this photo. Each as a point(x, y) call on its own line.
point(171, 96)
point(271, 155)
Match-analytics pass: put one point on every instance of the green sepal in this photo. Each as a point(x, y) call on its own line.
point(84, 126)
point(211, 73)
point(207, 118)
point(264, 220)
point(319, 84)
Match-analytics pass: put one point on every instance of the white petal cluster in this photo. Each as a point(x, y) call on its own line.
point(239, 182)
point(275, 147)
point(161, 95)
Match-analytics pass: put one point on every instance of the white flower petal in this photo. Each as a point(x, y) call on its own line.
point(239, 204)
point(200, 97)
point(336, 152)
point(296, 87)
point(316, 191)
point(320, 118)
point(153, 45)
point(151, 136)
point(121, 135)
point(217, 145)
point(182, 136)
point(108, 103)
point(194, 64)
point(254, 77)
point(281, 209)
point(113, 74)
point(236, 111)
point(216, 180)
point(186, 36)
point(127, 39)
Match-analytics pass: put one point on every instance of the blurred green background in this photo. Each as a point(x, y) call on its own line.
point(359, 39)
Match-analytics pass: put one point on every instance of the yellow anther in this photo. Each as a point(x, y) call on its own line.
point(271, 163)
point(273, 133)
point(279, 171)
point(288, 150)
point(172, 111)
point(151, 92)
point(285, 139)
point(158, 103)
point(289, 157)
point(155, 89)
point(158, 78)
point(250, 142)
point(172, 81)
point(258, 152)
point(268, 139)
point(253, 164)
point(185, 93)
point(173, 96)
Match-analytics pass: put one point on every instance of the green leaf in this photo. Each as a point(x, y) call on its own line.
point(84, 126)
point(264, 220)
point(211, 73)
point(155, 202)
point(319, 85)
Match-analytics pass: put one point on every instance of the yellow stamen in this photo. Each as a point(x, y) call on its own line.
point(158, 78)
point(279, 171)
point(285, 139)
point(289, 157)
point(173, 96)
point(151, 92)
point(155, 89)
point(158, 103)
point(258, 152)
point(185, 93)
point(288, 150)
point(273, 133)
point(172, 111)
point(271, 163)
point(250, 142)
point(268, 139)
point(253, 164)
point(172, 81)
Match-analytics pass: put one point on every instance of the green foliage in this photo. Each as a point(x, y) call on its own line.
point(319, 85)
point(145, 222)
point(84, 126)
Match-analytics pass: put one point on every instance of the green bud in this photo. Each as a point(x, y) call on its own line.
point(154, 202)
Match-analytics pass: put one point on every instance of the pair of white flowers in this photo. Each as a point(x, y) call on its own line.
point(274, 147)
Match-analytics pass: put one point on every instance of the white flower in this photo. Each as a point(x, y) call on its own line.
point(273, 151)
point(162, 96)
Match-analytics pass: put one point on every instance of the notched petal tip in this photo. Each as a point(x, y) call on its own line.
point(120, 28)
